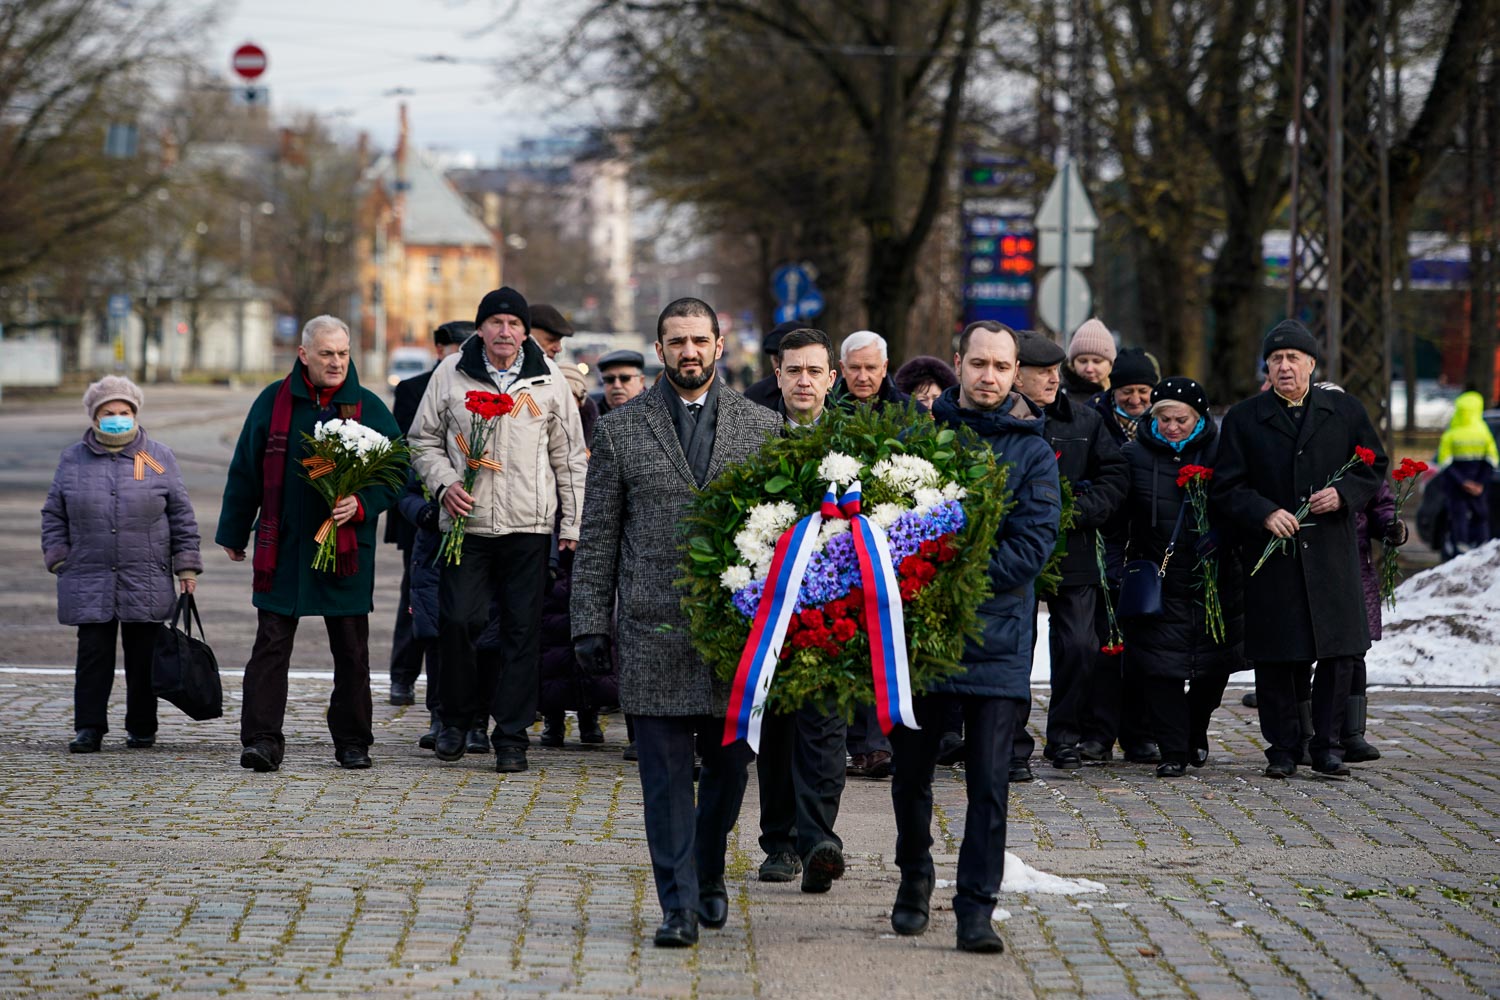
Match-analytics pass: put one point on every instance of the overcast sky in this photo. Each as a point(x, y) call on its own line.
point(345, 57)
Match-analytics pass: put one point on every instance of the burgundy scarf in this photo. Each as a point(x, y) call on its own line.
point(273, 480)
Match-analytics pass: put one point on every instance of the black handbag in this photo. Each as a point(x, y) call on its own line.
point(1140, 593)
point(183, 669)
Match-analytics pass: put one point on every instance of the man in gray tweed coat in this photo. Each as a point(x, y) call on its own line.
point(647, 459)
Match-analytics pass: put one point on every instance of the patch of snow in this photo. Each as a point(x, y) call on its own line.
point(1021, 877)
point(1000, 915)
point(1444, 629)
point(1445, 709)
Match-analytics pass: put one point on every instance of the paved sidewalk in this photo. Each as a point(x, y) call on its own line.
point(172, 872)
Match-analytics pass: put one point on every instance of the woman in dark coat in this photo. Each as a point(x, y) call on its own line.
point(1175, 647)
point(118, 530)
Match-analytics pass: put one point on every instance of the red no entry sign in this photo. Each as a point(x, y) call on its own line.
point(249, 61)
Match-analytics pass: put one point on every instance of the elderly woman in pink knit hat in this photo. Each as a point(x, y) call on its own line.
point(119, 532)
point(1091, 357)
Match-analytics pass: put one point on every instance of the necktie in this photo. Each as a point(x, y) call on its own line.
point(693, 410)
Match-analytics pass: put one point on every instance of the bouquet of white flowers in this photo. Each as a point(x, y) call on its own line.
point(344, 457)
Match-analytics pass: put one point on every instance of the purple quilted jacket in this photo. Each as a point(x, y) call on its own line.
point(116, 542)
point(1372, 522)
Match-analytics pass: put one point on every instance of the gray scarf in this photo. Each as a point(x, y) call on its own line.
point(696, 436)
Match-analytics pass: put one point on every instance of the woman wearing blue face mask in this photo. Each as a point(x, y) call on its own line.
point(118, 530)
point(1182, 670)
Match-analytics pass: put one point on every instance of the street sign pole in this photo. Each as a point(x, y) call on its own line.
point(1062, 315)
point(1065, 226)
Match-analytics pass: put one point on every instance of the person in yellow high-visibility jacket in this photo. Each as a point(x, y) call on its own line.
point(1467, 459)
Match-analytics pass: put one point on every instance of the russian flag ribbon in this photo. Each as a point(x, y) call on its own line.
point(883, 615)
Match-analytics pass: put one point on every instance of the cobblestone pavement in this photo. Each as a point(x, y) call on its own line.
point(171, 872)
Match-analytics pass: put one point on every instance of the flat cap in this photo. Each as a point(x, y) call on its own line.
point(622, 357)
point(1038, 350)
point(545, 317)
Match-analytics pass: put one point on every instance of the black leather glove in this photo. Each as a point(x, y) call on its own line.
point(1082, 486)
point(592, 654)
point(428, 519)
point(1208, 544)
point(1395, 533)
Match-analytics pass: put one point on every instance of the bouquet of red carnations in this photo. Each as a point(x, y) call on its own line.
point(1361, 454)
point(1406, 477)
point(1195, 479)
point(484, 409)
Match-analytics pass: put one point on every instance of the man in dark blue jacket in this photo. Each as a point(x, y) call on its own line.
point(997, 666)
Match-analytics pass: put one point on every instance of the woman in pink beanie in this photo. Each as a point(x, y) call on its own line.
point(1091, 355)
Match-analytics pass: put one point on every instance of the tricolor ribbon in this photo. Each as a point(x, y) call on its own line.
point(795, 547)
point(141, 461)
point(476, 463)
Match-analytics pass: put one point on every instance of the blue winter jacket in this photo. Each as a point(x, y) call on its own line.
point(413, 504)
point(998, 665)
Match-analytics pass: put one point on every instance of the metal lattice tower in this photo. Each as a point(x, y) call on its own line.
point(1339, 271)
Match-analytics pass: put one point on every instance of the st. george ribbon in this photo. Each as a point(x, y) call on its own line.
point(882, 595)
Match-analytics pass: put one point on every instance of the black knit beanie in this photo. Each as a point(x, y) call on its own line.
point(1181, 389)
point(1289, 335)
point(1133, 366)
point(504, 300)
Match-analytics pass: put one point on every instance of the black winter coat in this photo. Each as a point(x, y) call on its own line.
point(1117, 528)
point(1306, 603)
point(1089, 459)
point(1177, 644)
point(405, 402)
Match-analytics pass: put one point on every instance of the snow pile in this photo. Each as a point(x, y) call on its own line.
point(1021, 877)
point(1445, 629)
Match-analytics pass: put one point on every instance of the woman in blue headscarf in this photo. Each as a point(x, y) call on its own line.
point(1183, 669)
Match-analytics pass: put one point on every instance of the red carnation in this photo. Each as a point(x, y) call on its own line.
point(926, 572)
point(1364, 454)
point(835, 609)
point(929, 549)
point(947, 551)
point(1114, 650)
point(844, 630)
point(812, 618)
point(911, 566)
point(855, 598)
point(910, 587)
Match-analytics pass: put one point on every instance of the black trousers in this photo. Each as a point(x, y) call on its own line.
point(94, 675)
point(510, 572)
point(407, 651)
point(864, 735)
point(1117, 705)
point(1074, 646)
point(800, 770)
point(1180, 711)
point(981, 858)
point(687, 843)
point(349, 709)
point(1276, 690)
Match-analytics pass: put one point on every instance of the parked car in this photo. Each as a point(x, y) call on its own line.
point(406, 362)
point(1432, 513)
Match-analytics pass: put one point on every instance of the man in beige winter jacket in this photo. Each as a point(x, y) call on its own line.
point(510, 513)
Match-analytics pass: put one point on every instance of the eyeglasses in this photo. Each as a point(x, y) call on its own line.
point(617, 379)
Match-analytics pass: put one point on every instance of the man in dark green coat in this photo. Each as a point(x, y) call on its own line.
point(267, 496)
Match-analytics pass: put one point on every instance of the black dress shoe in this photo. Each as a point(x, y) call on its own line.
point(510, 760)
point(1066, 759)
point(913, 903)
point(133, 742)
point(353, 758)
point(1095, 752)
point(1171, 769)
point(679, 929)
point(823, 865)
point(402, 694)
point(630, 752)
point(713, 904)
point(951, 749)
point(1145, 753)
point(1250, 700)
point(976, 933)
point(1280, 769)
point(1199, 757)
point(552, 731)
point(86, 741)
point(259, 758)
point(477, 741)
point(1020, 772)
point(1327, 764)
point(428, 740)
point(588, 728)
point(449, 745)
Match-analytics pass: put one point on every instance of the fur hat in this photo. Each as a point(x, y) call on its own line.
point(922, 369)
point(1037, 350)
point(1134, 366)
point(107, 390)
point(506, 301)
point(1093, 337)
point(1289, 335)
point(578, 383)
point(1180, 389)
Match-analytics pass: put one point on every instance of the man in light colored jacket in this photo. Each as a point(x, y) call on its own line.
point(542, 461)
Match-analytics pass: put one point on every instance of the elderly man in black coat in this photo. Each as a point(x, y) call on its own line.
point(1277, 451)
point(1089, 459)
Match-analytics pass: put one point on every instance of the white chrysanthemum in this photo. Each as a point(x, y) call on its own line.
point(884, 515)
point(953, 491)
point(906, 473)
point(762, 567)
point(734, 578)
point(927, 498)
point(839, 468)
point(750, 545)
point(771, 519)
point(831, 530)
